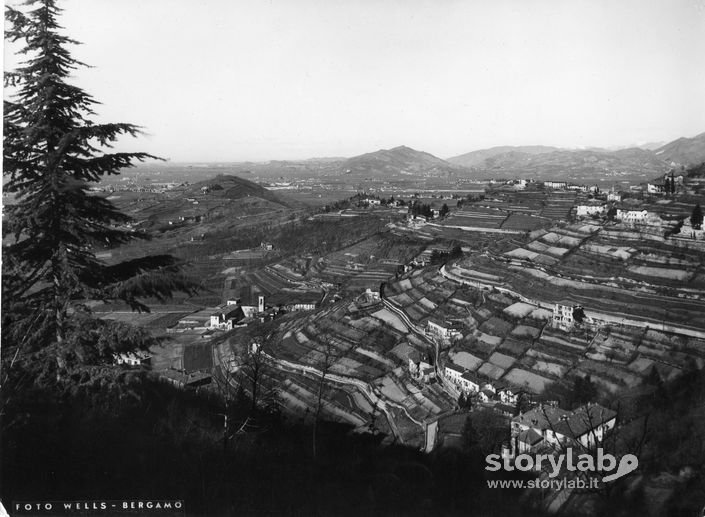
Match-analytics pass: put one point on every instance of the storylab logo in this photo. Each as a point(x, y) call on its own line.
point(602, 462)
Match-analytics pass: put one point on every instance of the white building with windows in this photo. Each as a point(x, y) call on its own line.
point(564, 315)
point(590, 209)
point(555, 184)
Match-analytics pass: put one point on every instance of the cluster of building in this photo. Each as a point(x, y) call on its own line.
point(253, 305)
point(470, 384)
point(564, 185)
point(548, 427)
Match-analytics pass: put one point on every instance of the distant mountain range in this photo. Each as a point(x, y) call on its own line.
point(543, 159)
point(639, 162)
point(537, 161)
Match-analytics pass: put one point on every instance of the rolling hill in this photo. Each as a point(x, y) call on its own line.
point(477, 158)
point(223, 196)
point(231, 187)
point(399, 160)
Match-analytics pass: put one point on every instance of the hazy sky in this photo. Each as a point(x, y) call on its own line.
point(227, 80)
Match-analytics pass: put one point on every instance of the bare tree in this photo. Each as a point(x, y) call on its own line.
point(329, 358)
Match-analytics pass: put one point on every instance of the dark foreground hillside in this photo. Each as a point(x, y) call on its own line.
point(119, 434)
point(142, 439)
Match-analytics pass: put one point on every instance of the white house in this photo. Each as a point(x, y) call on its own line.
point(589, 209)
point(420, 369)
point(226, 316)
point(654, 188)
point(632, 216)
point(613, 195)
point(564, 315)
point(136, 358)
point(469, 383)
point(453, 373)
point(443, 329)
point(688, 232)
point(507, 396)
point(555, 184)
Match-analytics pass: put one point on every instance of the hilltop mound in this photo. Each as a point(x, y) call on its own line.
point(232, 187)
point(400, 159)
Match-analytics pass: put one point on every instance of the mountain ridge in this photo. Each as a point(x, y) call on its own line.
point(398, 160)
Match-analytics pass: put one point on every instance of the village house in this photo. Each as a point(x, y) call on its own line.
point(688, 232)
point(550, 426)
point(469, 383)
point(613, 195)
point(589, 209)
point(136, 358)
point(655, 188)
point(630, 216)
point(507, 396)
point(183, 380)
point(419, 369)
point(465, 380)
point(443, 329)
point(564, 315)
point(226, 316)
point(555, 184)
point(452, 372)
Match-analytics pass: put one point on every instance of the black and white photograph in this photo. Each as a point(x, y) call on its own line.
point(352, 258)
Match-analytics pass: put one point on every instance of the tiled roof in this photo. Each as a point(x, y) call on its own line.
point(530, 437)
point(568, 423)
point(455, 367)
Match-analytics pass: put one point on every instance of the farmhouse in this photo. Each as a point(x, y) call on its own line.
point(184, 380)
point(555, 184)
point(453, 373)
point(632, 216)
point(613, 195)
point(655, 188)
point(549, 425)
point(589, 209)
point(136, 358)
point(443, 329)
point(419, 369)
point(226, 316)
point(507, 395)
point(564, 315)
point(687, 231)
point(469, 383)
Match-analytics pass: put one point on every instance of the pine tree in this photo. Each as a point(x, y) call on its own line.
point(52, 153)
